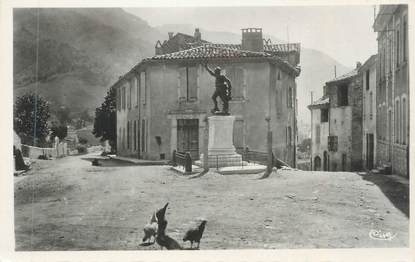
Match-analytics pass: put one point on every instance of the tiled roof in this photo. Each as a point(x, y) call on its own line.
point(267, 47)
point(209, 51)
point(352, 73)
point(325, 100)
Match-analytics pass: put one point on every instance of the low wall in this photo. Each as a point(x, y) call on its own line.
point(33, 152)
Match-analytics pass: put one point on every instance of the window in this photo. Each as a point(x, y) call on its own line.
point(143, 88)
point(390, 55)
point(318, 134)
point(128, 134)
point(370, 105)
point(237, 77)
point(188, 83)
point(367, 79)
point(397, 122)
point(137, 88)
point(135, 135)
point(342, 93)
point(290, 97)
point(332, 143)
point(324, 116)
point(397, 47)
point(123, 97)
point(404, 121)
point(405, 38)
point(123, 138)
point(129, 94)
point(143, 135)
point(118, 99)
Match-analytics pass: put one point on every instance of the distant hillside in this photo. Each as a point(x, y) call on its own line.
point(81, 52)
point(212, 36)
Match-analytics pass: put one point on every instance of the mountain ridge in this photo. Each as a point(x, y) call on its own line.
point(83, 51)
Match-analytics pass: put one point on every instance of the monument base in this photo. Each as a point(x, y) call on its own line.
point(221, 152)
point(216, 161)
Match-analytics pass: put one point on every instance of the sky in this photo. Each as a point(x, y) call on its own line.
point(343, 32)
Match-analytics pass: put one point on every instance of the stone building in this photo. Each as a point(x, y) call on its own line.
point(337, 124)
point(163, 101)
point(319, 134)
point(368, 75)
point(392, 89)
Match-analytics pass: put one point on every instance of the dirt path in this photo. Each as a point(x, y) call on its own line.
point(67, 204)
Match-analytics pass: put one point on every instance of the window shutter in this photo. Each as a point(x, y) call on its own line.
point(129, 93)
point(238, 83)
point(182, 84)
point(192, 83)
point(143, 88)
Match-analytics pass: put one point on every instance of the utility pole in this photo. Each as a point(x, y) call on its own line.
point(335, 73)
point(205, 144)
point(311, 129)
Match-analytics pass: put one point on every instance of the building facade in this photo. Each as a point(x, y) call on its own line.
point(319, 134)
point(337, 125)
point(392, 89)
point(162, 102)
point(368, 75)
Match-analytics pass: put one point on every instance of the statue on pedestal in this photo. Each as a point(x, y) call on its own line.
point(223, 90)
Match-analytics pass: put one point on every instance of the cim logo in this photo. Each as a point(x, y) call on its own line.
point(380, 235)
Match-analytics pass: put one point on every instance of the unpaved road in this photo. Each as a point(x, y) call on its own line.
point(67, 204)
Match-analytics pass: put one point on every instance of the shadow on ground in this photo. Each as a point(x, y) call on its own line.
point(396, 192)
point(108, 162)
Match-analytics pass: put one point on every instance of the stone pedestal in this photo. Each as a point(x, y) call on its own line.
point(221, 151)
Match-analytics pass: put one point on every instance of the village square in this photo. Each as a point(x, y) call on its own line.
point(203, 143)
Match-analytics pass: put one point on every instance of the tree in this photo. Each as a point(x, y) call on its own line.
point(105, 122)
point(63, 114)
point(59, 131)
point(31, 113)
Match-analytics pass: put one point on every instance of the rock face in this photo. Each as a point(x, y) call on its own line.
point(221, 151)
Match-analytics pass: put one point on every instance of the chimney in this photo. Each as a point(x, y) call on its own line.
point(252, 39)
point(358, 65)
point(170, 35)
point(198, 35)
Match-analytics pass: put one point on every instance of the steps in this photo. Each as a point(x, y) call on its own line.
point(385, 169)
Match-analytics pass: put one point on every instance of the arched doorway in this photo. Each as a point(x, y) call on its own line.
point(317, 163)
point(325, 161)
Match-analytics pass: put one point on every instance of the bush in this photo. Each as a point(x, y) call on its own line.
point(81, 149)
point(83, 141)
point(43, 157)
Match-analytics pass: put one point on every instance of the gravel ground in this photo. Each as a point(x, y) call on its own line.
point(68, 204)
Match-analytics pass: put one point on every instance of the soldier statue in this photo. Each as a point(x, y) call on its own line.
point(223, 90)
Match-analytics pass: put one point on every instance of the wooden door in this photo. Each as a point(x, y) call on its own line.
point(369, 151)
point(188, 137)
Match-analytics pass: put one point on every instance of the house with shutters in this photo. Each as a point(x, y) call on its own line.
point(163, 101)
point(392, 89)
point(336, 142)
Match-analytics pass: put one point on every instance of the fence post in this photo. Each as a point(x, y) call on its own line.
point(188, 163)
point(173, 158)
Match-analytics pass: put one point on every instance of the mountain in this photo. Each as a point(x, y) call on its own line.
point(81, 52)
point(76, 53)
point(212, 36)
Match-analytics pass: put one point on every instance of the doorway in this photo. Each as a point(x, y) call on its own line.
point(325, 161)
point(188, 137)
point(369, 151)
point(317, 163)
